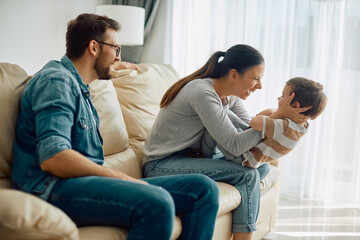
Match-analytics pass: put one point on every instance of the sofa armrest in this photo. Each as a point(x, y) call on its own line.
point(23, 216)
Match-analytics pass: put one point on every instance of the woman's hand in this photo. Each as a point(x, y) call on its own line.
point(288, 111)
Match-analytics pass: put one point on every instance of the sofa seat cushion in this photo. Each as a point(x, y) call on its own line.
point(140, 92)
point(229, 198)
point(113, 233)
point(23, 216)
point(112, 126)
point(99, 232)
point(12, 81)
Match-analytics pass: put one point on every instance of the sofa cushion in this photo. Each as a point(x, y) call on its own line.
point(102, 232)
point(229, 198)
point(125, 162)
point(114, 233)
point(23, 216)
point(140, 92)
point(112, 126)
point(12, 82)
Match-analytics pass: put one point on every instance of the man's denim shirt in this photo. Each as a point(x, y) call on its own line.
point(56, 114)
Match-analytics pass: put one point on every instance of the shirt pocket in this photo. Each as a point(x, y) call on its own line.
point(82, 136)
point(85, 124)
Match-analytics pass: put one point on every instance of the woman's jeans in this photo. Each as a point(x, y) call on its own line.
point(148, 210)
point(246, 180)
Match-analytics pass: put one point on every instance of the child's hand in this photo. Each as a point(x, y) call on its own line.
point(266, 112)
point(288, 111)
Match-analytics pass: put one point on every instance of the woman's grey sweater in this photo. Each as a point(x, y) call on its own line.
point(197, 106)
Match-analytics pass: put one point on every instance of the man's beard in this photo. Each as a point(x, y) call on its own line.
point(103, 72)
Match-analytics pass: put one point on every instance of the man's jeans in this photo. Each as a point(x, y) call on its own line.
point(246, 180)
point(148, 210)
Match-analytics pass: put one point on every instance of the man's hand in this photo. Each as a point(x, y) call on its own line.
point(124, 65)
point(128, 178)
point(70, 164)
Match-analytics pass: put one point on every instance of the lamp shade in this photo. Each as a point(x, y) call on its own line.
point(131, 20)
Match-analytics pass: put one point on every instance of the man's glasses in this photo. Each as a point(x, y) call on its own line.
point(117, 47)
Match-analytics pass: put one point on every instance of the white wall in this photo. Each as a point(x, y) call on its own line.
point(33, 31)
point(157, 47)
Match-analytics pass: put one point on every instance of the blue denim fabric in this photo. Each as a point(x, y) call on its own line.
point(148, 209)
point(246, 180)
point(55, 115)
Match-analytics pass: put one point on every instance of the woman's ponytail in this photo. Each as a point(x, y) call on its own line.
point(240, 57)
point(212, 69)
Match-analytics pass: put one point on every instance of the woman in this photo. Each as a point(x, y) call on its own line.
point(210, 99)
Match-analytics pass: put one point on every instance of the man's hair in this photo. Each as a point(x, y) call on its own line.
point(83, 29)
point(308, 93)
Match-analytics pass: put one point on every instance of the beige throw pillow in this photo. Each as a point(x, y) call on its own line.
point(140, 92)
point(12, 83)
point(112, 126)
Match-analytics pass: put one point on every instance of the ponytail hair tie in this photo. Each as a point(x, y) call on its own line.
point(221, 56)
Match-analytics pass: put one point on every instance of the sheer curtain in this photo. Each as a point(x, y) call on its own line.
point(317, 39)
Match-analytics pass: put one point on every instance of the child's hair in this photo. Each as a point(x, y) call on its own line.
point(308, 93)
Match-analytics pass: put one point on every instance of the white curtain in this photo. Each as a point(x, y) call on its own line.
point(317, 39)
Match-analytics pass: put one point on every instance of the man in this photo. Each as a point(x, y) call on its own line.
point(58, 152)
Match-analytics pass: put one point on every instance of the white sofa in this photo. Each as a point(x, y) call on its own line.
point(127, 107)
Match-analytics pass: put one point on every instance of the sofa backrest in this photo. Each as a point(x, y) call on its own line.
point(112, 125)
point(139, 94)
point(12, 83)
point(128, 105)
